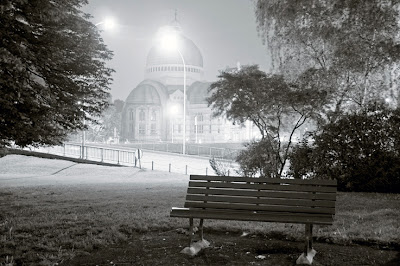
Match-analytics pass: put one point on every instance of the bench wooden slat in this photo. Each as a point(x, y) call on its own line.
point(207, 205)
point(270, 194)
point(266, 180)
point(287, 202)
point(252, 216)
point(263, 187)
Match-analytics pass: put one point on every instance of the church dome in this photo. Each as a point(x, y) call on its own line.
point(144, 94)
point(198, 92)
point(190, 52)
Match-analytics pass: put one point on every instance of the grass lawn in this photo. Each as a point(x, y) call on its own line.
point(51, 222)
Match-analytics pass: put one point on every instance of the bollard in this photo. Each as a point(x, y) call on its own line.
point(152, 165)
point(169, 168)
point(185, 169)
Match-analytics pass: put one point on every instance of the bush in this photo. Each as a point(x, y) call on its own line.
point(259, 159)
point(3, 151)
point(360, 150)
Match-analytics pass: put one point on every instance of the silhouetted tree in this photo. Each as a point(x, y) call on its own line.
point(53, 73)
point(276, 107)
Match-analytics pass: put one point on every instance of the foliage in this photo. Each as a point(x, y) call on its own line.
point(300, 158)
point(347, 48)
point(275, 107)
point(259, 159)
point(360, 150)
point(107, 123)
point(220, 167)
point(53, 73)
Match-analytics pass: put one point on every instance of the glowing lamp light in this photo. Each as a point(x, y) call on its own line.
point(174, 109)
point(108, 23)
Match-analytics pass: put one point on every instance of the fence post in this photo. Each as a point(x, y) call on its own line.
point(152, 165)
point(185, 169)
point(64, 149)
point(228, 172)
point(169, 168)
point(102, 154)
point(206, 170)
point(118, 155)
point(80, 152)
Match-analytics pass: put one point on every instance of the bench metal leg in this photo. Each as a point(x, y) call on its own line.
point(309, 238)
point(309, 253)
point(201, 229)
point(190, 231)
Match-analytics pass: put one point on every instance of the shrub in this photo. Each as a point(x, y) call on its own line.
point(259, 159)
point(360, 150)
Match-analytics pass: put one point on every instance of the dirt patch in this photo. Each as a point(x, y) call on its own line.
point(163, 248)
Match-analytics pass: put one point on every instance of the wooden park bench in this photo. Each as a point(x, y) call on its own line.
point(306, 202)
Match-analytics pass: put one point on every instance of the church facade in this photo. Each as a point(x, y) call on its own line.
point(153, 111)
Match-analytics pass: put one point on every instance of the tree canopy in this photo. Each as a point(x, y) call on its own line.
point(349, 48)
point(275, 107)
point(53, 71)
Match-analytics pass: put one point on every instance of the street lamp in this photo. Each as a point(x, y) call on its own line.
point(108, 23)
point(169, 42)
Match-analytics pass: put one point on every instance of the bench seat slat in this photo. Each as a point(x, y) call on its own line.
point(262, 186)
point(252, 216)
point(254, 200)
point(294, 209)
point(270, 194)
point(324, 182)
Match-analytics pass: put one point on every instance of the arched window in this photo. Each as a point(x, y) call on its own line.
point(153, 116)
point(142, 115)
point(130, 114)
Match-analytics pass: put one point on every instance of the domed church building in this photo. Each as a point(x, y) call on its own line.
point(153, 111)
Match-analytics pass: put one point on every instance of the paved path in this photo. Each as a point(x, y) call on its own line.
point(19, 170)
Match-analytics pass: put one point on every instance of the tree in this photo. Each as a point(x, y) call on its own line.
point(53, 72)
point(360, 150)
point(349, 48)
point(276, 107)
point(107, 123)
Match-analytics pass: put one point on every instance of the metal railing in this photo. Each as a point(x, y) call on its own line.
point(191, 149)
point(162, 162)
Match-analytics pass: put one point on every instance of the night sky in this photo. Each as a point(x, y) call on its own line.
point(224, 30)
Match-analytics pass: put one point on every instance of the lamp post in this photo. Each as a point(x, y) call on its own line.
point(169, 42)
point(83, 132)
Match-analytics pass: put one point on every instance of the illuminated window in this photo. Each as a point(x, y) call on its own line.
point(199, 117)
point(142, 129)
point(153, 116)
point(153, 129)
point(142, 115)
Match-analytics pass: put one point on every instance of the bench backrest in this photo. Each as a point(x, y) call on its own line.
point(293, 196)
